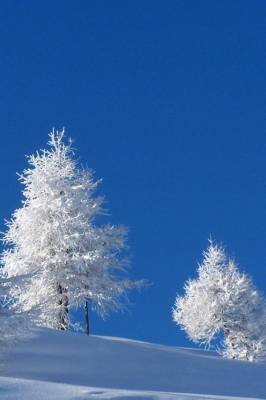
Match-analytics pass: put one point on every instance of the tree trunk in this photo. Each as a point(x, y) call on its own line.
point(86, 315)
point(63, 307)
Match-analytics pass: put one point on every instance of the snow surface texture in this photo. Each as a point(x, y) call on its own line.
point(63, 365)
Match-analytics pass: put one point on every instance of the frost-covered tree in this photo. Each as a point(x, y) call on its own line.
point(14, 324)
point(59, 255)
point(222, 303)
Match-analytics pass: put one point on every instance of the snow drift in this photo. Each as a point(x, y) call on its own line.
point(65, 365)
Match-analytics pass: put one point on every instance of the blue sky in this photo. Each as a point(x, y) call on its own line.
point(166, 102)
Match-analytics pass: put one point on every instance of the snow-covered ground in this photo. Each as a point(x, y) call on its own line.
point(63, 365)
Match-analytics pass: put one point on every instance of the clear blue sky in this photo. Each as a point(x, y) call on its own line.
point(166, 102)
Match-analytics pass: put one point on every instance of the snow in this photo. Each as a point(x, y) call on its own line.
point(64, 365)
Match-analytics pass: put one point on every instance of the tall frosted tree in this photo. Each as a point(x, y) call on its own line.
point(56, 251)
point(222, 303)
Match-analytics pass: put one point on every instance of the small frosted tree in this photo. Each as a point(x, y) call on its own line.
point(14, 324)
point(59, 256)
point(223, 304)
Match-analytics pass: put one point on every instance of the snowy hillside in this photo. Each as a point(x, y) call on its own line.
point(69, 366)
